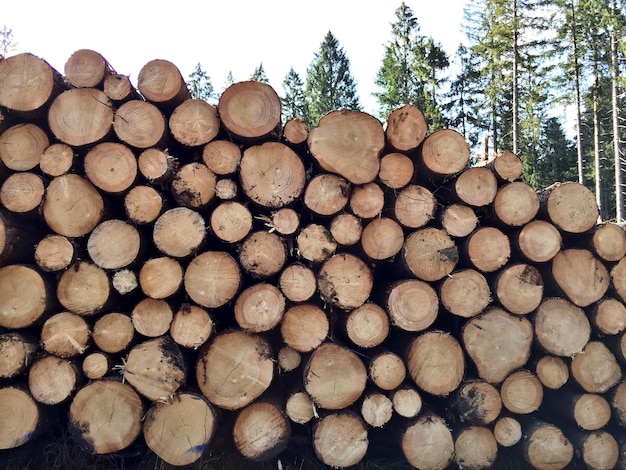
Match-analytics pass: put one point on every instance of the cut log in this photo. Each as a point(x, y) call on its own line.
point(231, 221)
point(124, 281)
point(334, 377)
point(113, 332)
point(288, 359)
point(143, 204)
point(304, 327)
point(545, 447)
point(119, 88)
point(161, 277)
point(387, 371)
point(348, 143)
point(259, 307)
point(234, 369)
point(222, 157)
point(156, 166)
point(299, 407)
point(65, 335)
point(580, 275)
point(155, 368)
point(458, 220)
point(340, 439)
point(111, 167)
point(367, 326)
point(54, 253)
point(114, 244)
point(21, 419)
point(346, 229)
point(24, 297)
point(191, 327)
point(84, 288)
point(521, 392)
point(465, 293)
point(22, 193)
point(285, 221)
point(589, 411)
point(263, 254)
point(81, 116)
point(396, 170)
point(515, 204)
point(193, 185)
point(488, 249)
point(552, 371)
point(506, 165)
point(498, 343)
point(250, 111)
point(405, 128)
point(507, 431)
point(212, 279)
point(444, 153)
point(429, 254)
point(56, 160)
point(16, 353)
point(475, 447)
point(476, 187)
point(96, 365)
point(52, 380)
point(345, 281)
point(412, 305)
point(407, 402)
point(477, 403)
point(609, 316)
point(160, 82)
point(570, 206)
point(414, 206)
point(609, 241)
point(105, 416)
point(22, 145)
point(367, 200)
point(600, 451)
point(152, 317)
point(595, 369)
point(194, 122)
point(618, 403)
point(179, 232)
point(538, 241)
point(436, 351)
point(297, 282)
point(561, 327)
point(427, 443)
point(296, 131)
point(382, 239)
point(618, 279)
point(519, 288)
point(261, 431)
point(180, 430)
point(140, 124)
point(226, 189)
point(376, 409)
point(86, 69)
point(326, 194)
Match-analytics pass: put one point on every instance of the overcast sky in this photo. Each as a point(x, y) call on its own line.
point(229, 35)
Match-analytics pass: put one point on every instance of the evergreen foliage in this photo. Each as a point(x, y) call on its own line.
point(200, 86)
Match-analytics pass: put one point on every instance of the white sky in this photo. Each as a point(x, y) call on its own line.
point(230, 35)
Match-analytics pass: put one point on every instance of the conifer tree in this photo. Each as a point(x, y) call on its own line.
point(199, 84)
point(259, 74)
point(294, 101)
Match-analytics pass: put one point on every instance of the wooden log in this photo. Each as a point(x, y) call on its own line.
point(72, 206)
point(261, 431)
point(570, 206)
point(263, 254)
point(589, 411)
point(81, 116)
point(96, 365)
point(114, 244)
point(436, 350)
point(429, 254)
point(376, 409)
point(222, 157)
point(212, 279)
point(234, 369)
point(21, 418)
point(54, 253)
point(477, 403)
point(345, 281)
point(152, 317)
point(226, 189)
point(465, 293)
point(161, 277)
point(340, 130)
point(22, 145)
point(259, 307)
point(296, 131)
point(143, 204)
point(326, 194)
point(52, 380)
point(488, 249)
point(179, 232)
point(608, 241)
point(367, 200)
point(618, 279)
point(111, 167)
point(24, 297)
point(538, 241)
point(155, 368)
point(193, 185)
point(444, 153)
point(113, 332)
point(299, 407)
point(119, 88)
point(334, 377)
point(507, 431)
point(140, 124)
point(156, 165)
point(194, 122)
point(105, 416)
point(608, 316)
point(22, 193)
point(595, 369)
point(412, 305)
point(367, 326)
point(544, 446)
point(304, 327)
point(386, 370)
point(16, 353)
point(519, 288)
point(180, 430)
point(498, 343)
point(405, 128)
point(506, 166)
point(552, 371)
point(65, 335)
point(297, 282)
point(250, 111)
point(56, 160)
point(124, 281)
point(414, 206)
point(285, 221)
point(161, 83)
point(407, 401)
point(515, 204)
point(600, 450)
point(340, 439)
point(475, 447)
point(288, 359)
point(231, 221)
point(396, 170)
point(84, 288)
point(580, 275)
point(86, 68)
point(458, 220)
point(191, 326)
point(618, 403)
point(475, 187)
point(382, 239)
point(346, 229)
point(521, 392)
point(427, 443)
point(29, 84)
point(561, 327)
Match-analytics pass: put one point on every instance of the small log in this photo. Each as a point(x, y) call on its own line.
point(288, 359)
point(600, 451)
point(376, 409)
point(357, 131)
point(261, 431)
point(160, 82)
point(250, 111)
point(475, 447)
point(396, 170)
point(296, 131)
point(16, 353)
point(226, 189)
point(180, 430)
point(438, 351)
point(119, 88)
point(367, 326)
point(155, 368)
point(544, 446)
point(609, 316)
point(297, 282)
point(465, 293)
point(259, 307)
point(96, 365)
point(444, 153)
point(608, 241)
point(570, 206)
point(52, 380)
point(538, 241)
point(458, 220)
point(65, 335)
point(179, 232)
point(407, 402)
point(515, 204)
point(114, 244)
point(580, 275)
point(304, 327)
point(382, 239)
point(552, 372)
point(54, 253)
point(414, 206)
point(152, 317)
point(212, 279)
point(24, 297)
point(161, 277)
point(488, 249)
point(506, 166)
point(56, 160)
point(429, 254)
point(345, 281)
point(618, 403)
point(405, 128)
point(507, 431)
point(124, 281)
point(477, 403)
point(143, 204)
point(194, 122)
point(111, 167)
point(87, 69)
point(193, 185)
point(618, 279)
point(22, 193)
point(386, 370)
point(299, 407)
point(561, 327)
point(340, 439)
point(81, 116)
point(334, 377)
point(113, 332)
point(140, 124)
point(21, 418)
point(285, 221)
point(519, 288)
point(105, 416)
point(476, 187)
point(222, 157)
point(589, 411)
point(22, 145)
point(231, 221)
point(234, 369)
point(272, 175)
point(263, 254)
point(521, 392)
point(427, 443)
point(84, 288)
point(346, 229)
point(156, 165)
point(412, 305)
point(191, 327)
point(498, 343)
point(367, 200)
point(595, 369)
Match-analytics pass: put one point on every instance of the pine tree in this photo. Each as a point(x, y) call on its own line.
point(7, 41)
point(229, 80)
point(199, 84)
point(294, 101)
point(558, 159)
point(329, 82)
point(259, 74)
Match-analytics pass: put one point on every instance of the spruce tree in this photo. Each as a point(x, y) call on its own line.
point(199, 84)
point(259, 74)
point(294, 101)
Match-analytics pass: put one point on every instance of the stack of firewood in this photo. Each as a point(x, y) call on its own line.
point(166, 264)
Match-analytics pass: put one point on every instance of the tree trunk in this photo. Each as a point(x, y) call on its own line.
point(22, 193)
point(367, 326)
point(340, 439)
point(22, 145)
point(297, 282)
point(488, 249)
point(429, 254)
point(296, 131)
point(96, 365)
point(111, 167)
point(407, 402)
point(387, 370)
point(345, 281)
point(119, 88)
point(507, 431)
point(261, 431)
point(427, 443)
point(595, 369)
point(615, 118)
point(476, 187)
point(161, 83)
point(382, 239)
point(475, 447)
point(84, 288)
point(179, 232)
point(506, 165)
point(552, 371)
point(376, 409)
point(140, 124)
point(194, 122)
point(114, 244)
point(608, 241)
point(609, 316)
point(259, 307)
point(157, 166)
point(87, 69)
point(405, 128)
point(222, 157)
point(143, 204)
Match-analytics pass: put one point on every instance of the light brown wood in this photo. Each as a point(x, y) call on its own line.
point(600, 451)
point(519, 288)
point(609, 316)
point(285, 221)
point(458, 220)
point(465, 293)
point(346, 229)
point(376, 409)
point(20, 417)
point(259, 307)
point(477, 402)
point(618, 279)
point(263, 254)
point(476, 187)
point(54, 253)
point(382, 239)
point(180, 430)
point(16, 353)
point(429, 254)
point(152, 317)
point(65, 335)
point(552, 371)
point(515, 204)
point(226, 189)
point(304, 327)
point(156, 165)
point(81, 116)
point(326, 194)
point(114, 244)
point(261, 431)
point(506, 165)
point(160, 82)
point(297, 282)
point(194, 122)
point(96, 365)
point(444, 153)
point(580, 275)
point(288, 359)
point(296, 131)
point(86, 68)
point(113, 332)
point(139, 124)
point(608, 241)
point(105, 416)
point(427, 443)
point(488, 249)
point(405, 128)
point(143, 204)
point(345, 281)
point(299, 407)
point(387, 370)
point(191, 327)
point(222, 157)
point(314, 243)
point(24, 297)
point(590, 411)
point(179, 232)
point(545, 446)
point(595, 369)
point(124, 281)
point(234, 369)
point(367, 326)
point(52, 380)
point(507, 431)
point(618, 403)
point(414, 206)
point(475, 447)
point(570, 206)
point(22, 193)
point(161, 277)
point(538, 241)
point(521, 392)
point(231, 221)
point(561, 327)
point(340, 439)
point(56, 160)
point(348, 143)
point(212, 279)
point(334, 377)
point(119, 88)
point(155, 368)
point(407, 402)
point(396, 170)
point(22, 145)
point(367, 200)
point(111, 167)
point(193, 185)
point(412, 305)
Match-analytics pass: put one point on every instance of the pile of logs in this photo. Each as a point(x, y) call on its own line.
point(168, 267)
